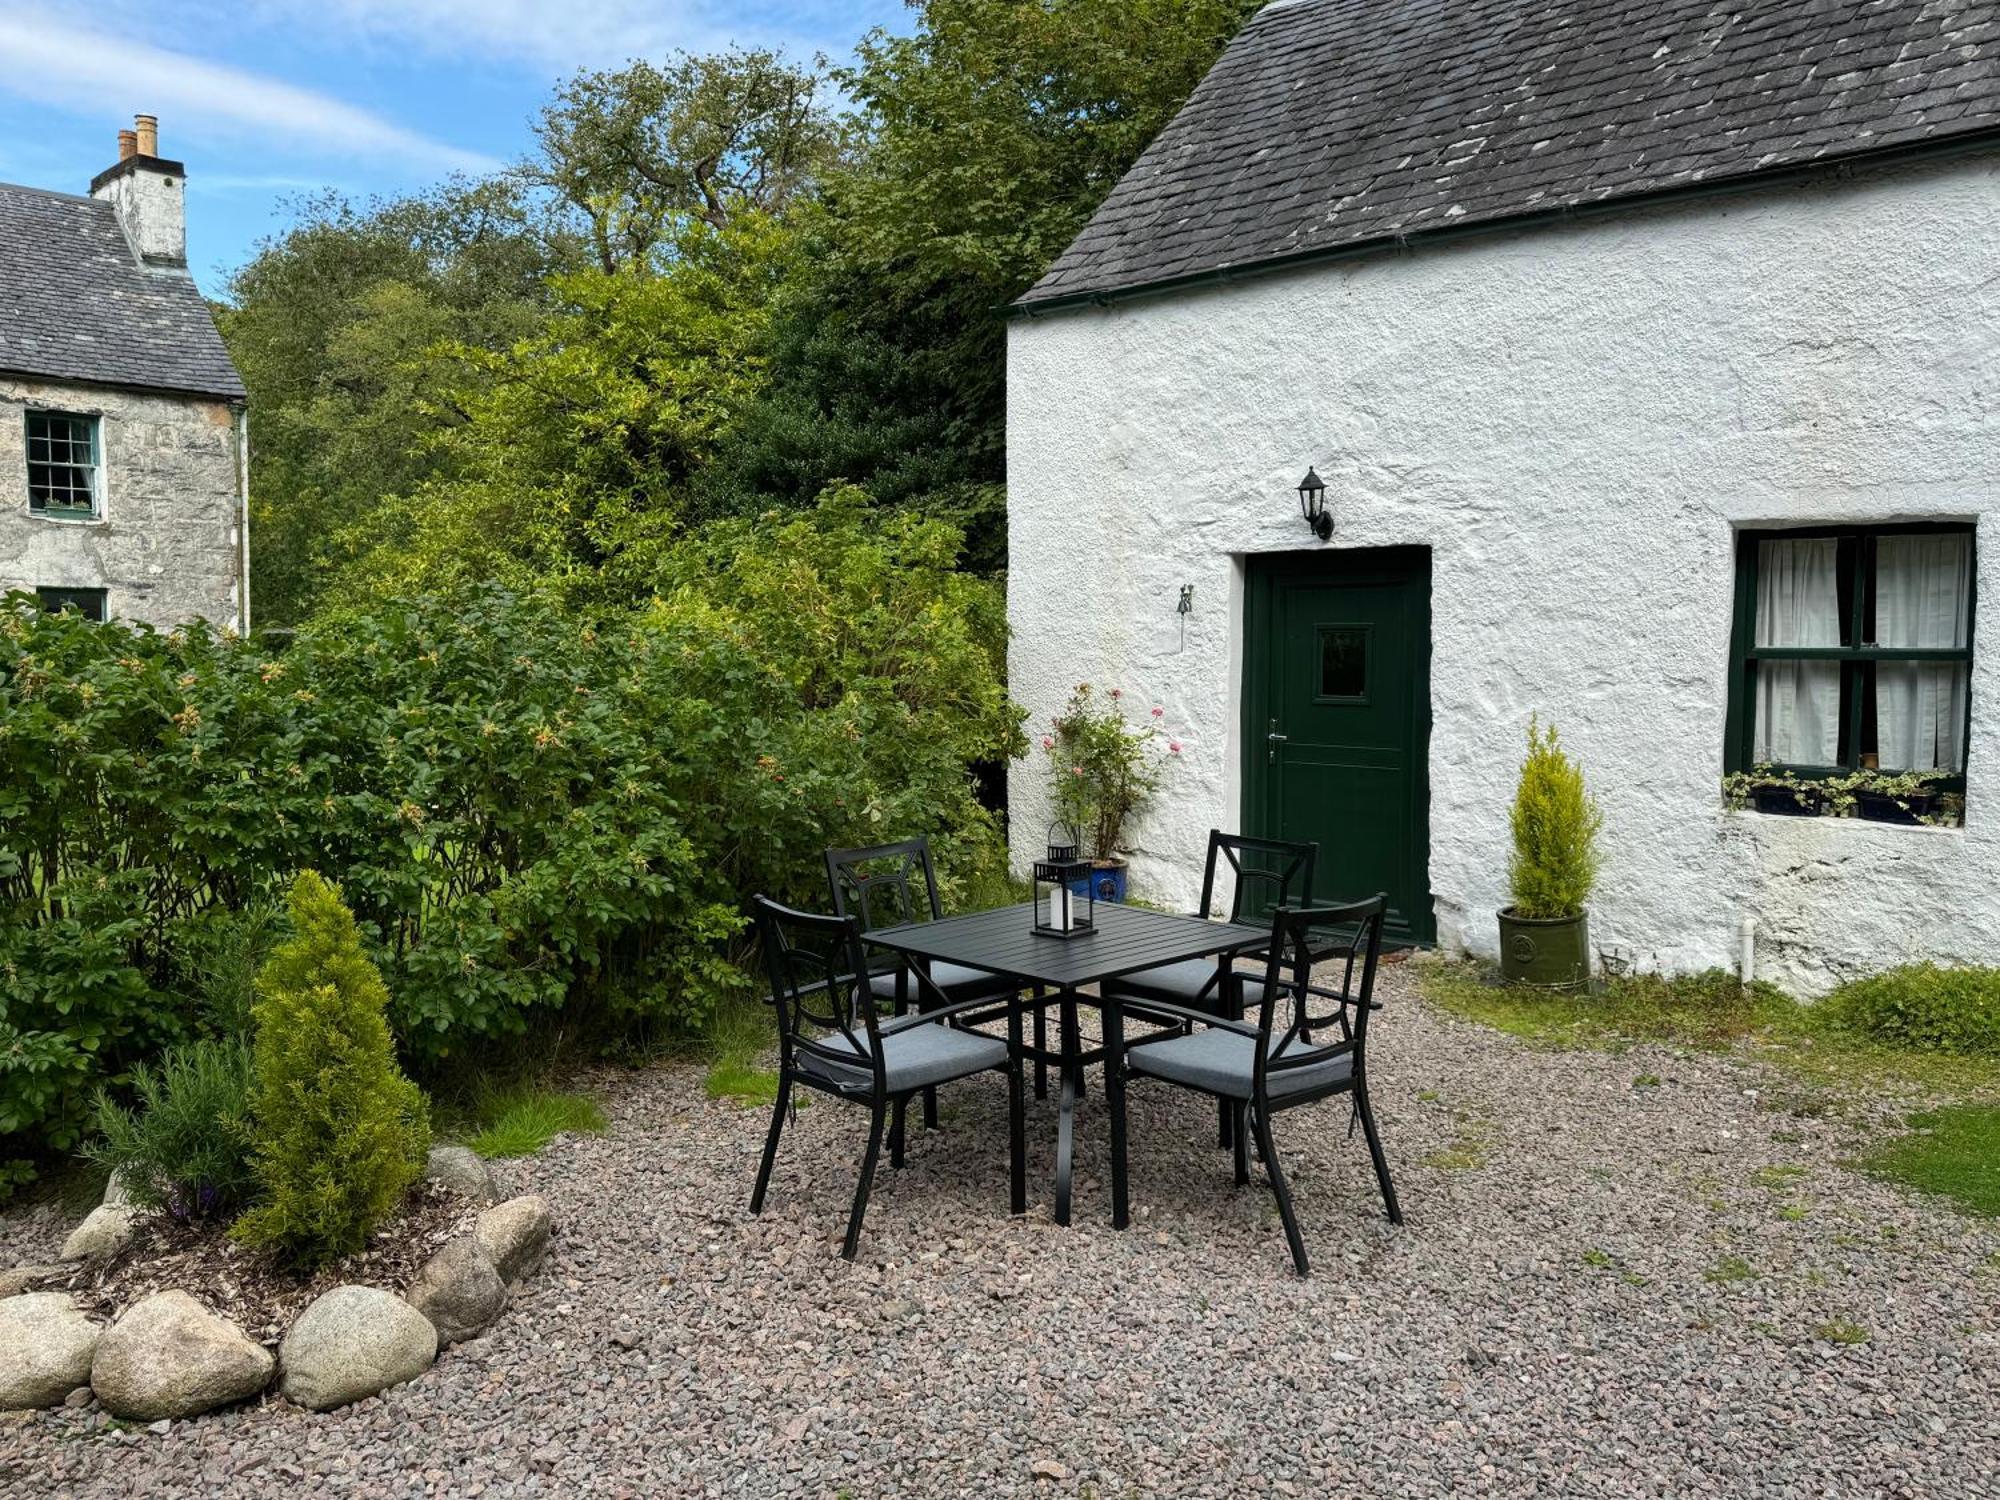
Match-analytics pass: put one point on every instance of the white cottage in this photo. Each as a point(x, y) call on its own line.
point(1649, 355)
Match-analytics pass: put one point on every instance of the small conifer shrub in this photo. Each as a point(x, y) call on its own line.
point(1556, 823)
point(339, 1133)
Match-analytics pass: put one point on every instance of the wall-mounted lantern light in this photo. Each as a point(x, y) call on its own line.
point(1312, 501)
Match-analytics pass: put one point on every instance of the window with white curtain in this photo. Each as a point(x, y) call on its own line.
point(1853, 649)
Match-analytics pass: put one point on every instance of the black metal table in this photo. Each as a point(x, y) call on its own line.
point(1126, 940)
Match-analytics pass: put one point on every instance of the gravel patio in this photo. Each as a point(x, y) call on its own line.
point(1607, 1286)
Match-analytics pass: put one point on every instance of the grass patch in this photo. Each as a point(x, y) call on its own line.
point(1646, 1081)
point(1953, 1153)
point(1601, 1259)
point(1776, 1179)
point(1841, 1331)
point(1793, 1213)
point(1729, 1268)
point(737, 1078)
point(519, 1121)
point(1706, 1011)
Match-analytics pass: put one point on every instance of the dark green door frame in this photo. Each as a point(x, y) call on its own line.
point(1370, 612)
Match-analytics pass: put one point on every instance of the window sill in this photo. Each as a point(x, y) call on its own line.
point(1824, 820)
point(68, 518)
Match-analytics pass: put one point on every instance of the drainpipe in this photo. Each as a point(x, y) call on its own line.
point(243, 517)
point(1747, 963)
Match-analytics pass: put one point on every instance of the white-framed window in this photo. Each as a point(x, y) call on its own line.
point(65, 468)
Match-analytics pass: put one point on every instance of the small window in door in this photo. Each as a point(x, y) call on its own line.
point(1343, 663)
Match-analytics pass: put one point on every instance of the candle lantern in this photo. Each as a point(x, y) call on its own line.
point(1065, 905)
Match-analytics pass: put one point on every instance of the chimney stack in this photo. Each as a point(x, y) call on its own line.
point(147, 193)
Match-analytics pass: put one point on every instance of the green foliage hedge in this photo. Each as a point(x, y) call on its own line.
point(1921, 1006)
point(528, 812)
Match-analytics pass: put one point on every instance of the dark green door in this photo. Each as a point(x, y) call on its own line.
point(1337, 721)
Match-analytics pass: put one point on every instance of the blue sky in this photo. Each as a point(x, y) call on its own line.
point(270, 99)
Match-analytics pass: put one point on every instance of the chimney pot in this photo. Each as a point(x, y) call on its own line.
point(148, 133)
point(128, 144)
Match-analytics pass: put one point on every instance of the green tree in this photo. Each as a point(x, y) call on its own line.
point(1555, 823)
point(634, 153)
point(339, 1133)
point(334, 327)
point(984, 141)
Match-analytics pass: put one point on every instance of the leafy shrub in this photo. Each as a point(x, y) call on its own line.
point(339, 1132)
point(1102, 769)
point(532, 815)
point(1920, 1006)
point(185, 1146)
point(1556, 823)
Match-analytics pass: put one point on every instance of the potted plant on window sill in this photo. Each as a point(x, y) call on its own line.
point(1103, 770)
point(1767, 789)
point(1545, 932)
point(1904, 797)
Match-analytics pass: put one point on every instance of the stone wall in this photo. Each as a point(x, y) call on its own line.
point(1575, 420)
point(168, 546)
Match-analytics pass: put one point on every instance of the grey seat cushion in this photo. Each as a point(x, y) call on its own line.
point(913, 1058)
point(1191, 982)
point(1223, 1062)
point(956, 980)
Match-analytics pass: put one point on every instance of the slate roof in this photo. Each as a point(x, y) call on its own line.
point(1334, 124)
point(77, 304)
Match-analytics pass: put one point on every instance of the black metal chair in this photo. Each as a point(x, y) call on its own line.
point(831, 1040)
point(1293, 1053)
point(1269, 873)
point(885, 885)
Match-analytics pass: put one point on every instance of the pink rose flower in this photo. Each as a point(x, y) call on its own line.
point(1048, 743)
point(1157, 712)
point(1174, 747)
point(1117, 692)
point(1076, 770)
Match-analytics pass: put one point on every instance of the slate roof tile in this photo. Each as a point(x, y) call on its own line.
point(77, 304)
point(1330, 123)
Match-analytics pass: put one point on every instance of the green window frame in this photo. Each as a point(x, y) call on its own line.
point(65, 468)
point(1857, 654)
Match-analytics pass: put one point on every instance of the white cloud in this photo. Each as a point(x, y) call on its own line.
point(55, 62)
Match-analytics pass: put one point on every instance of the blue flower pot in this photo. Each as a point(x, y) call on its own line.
point(1106, 882)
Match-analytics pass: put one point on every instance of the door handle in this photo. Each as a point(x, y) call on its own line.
point(1275, 739)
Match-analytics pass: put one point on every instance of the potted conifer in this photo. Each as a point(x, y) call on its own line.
point(1545, 933)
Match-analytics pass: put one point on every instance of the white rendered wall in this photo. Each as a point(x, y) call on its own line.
point(1575, 420)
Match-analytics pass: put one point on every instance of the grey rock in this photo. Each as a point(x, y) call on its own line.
point(46, 1342)
point(515, 1235)
point(352, 1342)
point(462, 1170)
point(168, 1356)
point(108, 1230)
point(81, 1396)
point(459, 1291)
point(23, 1278)
point(115, 1193)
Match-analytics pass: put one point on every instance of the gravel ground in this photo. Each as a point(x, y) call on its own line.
point(1606, 1286)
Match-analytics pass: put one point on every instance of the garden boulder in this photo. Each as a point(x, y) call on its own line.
point(46, 1342)
point(168, 1356)
point(459, 1291)
point(108, 1230)
point(351, 1343)
point(515, 1235)
point(463, 1170)
point(24, 1278)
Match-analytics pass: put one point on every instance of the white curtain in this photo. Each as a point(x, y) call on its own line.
point(1923, 587)
point(1798, 604)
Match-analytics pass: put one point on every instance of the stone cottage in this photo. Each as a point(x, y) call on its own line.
point(1648, 355)
point(123, 435)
